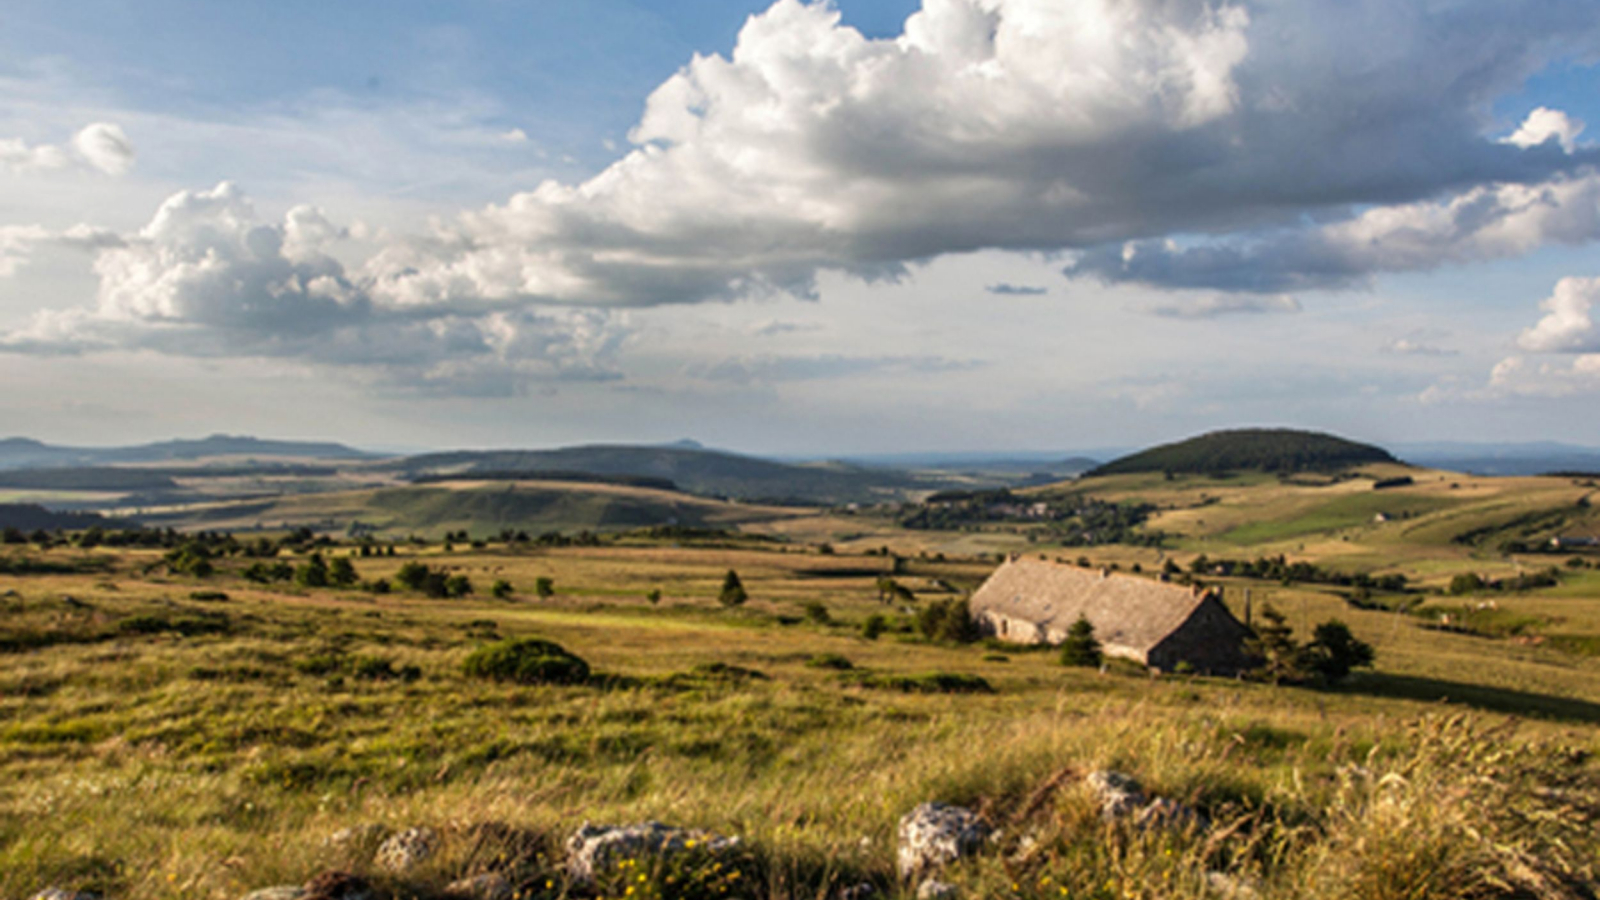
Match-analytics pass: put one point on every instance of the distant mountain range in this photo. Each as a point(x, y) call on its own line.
point(19, 453)
point(1528, 458)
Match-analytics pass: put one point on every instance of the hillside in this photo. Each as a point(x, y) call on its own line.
point(16, 453)
point(1277, 450)
point(707, 472)
point(479, 507)
point(31, 516)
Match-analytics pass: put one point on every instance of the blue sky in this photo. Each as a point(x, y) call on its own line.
point(799, 228)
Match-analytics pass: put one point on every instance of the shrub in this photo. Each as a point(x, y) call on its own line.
point(501, 589)
point(526, 661)
point(343, 572)
point(948, 620)
point(1466, 583)
point(931, 683)
point(1334, 651)
point(314, 573)
point(544, 586)
point(830, 661)
point(1081, 648)
point(874, 626)
point(654, 596)
point(413, 575)
point(733, 592)
point(817, 612)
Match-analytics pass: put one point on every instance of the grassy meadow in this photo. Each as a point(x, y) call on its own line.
point(168, 736)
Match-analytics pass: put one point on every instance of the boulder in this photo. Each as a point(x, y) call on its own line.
point(595, 848)
point(1118, 794)
point(405, 850)
point(488, 886)
point(1164, 812)
point(936, 834)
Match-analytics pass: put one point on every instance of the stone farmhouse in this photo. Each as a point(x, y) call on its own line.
point(1158, 624)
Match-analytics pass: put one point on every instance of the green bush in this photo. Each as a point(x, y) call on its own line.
point(830, 661)
point(948, 620)
point(1081, 648)
point(733, 592)
point(931, 683)
point(526, 661)
point(874, 626)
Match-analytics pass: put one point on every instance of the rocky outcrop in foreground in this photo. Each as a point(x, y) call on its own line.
point(596, 848)
point(931, 837)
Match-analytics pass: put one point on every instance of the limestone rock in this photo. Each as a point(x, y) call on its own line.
point(1163, 812)
point(1119, 794)
point(489, 886)
point(405, 850)
point(936, 834)
point(594, 848)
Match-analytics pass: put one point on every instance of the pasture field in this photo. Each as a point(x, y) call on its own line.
point(166, 736)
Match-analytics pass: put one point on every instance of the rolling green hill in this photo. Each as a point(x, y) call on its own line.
point(1277, 450)
point(480, 507)
point(707, 472)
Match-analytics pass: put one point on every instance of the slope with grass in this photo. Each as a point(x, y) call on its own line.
point(479, 507)
point(1250, 450)
point(699, 471)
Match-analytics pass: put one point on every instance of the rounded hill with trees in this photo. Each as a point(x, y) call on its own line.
point(1276, 450)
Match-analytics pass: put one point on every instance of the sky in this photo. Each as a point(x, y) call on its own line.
point(799, 228)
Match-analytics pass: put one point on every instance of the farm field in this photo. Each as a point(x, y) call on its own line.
point(162, 735)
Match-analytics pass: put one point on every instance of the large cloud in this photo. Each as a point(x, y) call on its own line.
point(1012, 124)
point(1481, 223)
point(207, 278)
point(1020, 124)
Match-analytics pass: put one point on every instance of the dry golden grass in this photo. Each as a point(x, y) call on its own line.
point(212, 746)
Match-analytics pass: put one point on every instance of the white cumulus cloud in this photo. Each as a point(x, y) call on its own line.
point(101, 146)
point(1568, 325)
point(1543, 124)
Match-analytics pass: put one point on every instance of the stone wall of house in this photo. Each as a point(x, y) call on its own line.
point(1211, 641)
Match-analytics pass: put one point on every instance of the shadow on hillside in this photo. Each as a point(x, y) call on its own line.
point(1477, 696)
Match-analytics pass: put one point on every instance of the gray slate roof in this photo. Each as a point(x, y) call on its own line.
point(1126, 610)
